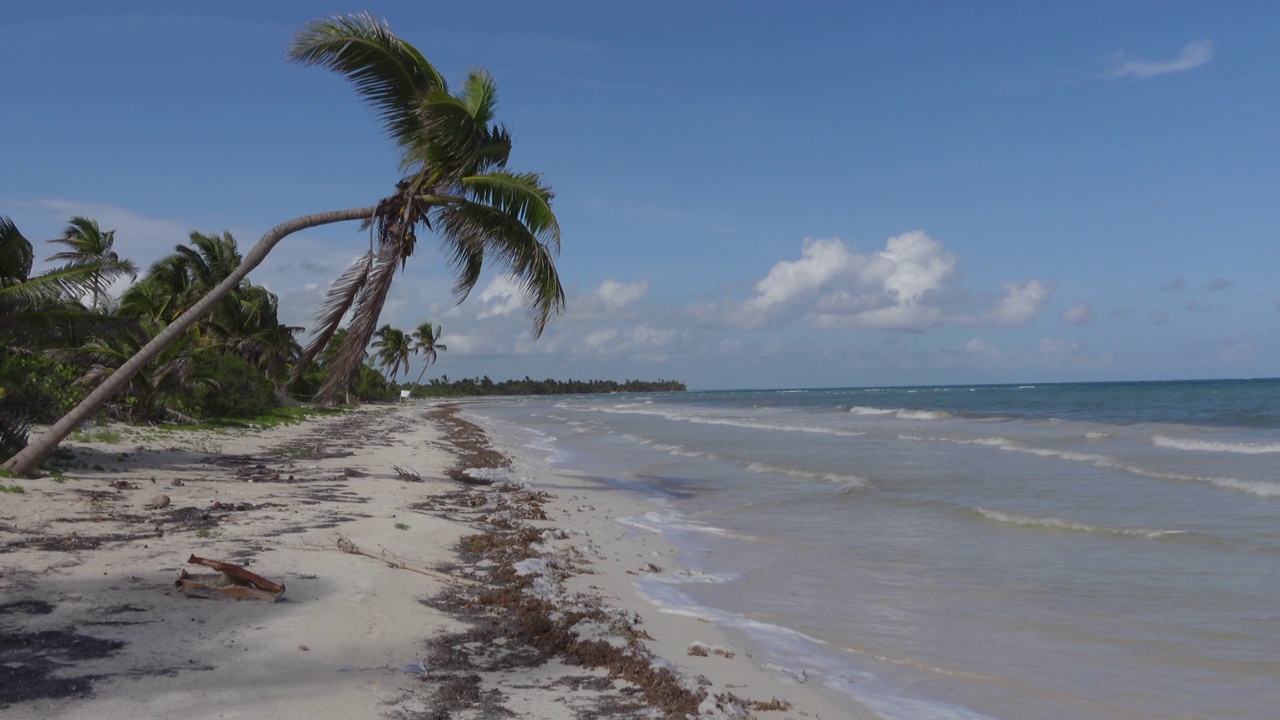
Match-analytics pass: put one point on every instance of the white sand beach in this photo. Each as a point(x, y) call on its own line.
point(410, 590)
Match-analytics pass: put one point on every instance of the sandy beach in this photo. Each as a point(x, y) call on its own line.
point(424, 577)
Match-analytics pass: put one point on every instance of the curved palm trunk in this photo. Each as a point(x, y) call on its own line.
point(30, 457)
point(425, 364)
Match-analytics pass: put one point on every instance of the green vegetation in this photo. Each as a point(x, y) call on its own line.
point(18, 489)
point(222, 345)
point(102, 435)
point(470, 387)
point(402, 526)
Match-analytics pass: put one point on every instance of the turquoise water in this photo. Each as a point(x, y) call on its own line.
point(1069, 551)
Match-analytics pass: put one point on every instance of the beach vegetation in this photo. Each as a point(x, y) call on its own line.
point(426, 340)
point(138, 358)
point(101, 435)
point(402, 526)
point(392, 347)
point(483, 386)
point(14, 489)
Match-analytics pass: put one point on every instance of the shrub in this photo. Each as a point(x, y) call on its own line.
point(226, 387)
point(36, 388)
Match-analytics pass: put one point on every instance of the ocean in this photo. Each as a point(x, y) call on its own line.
point(1058, 551)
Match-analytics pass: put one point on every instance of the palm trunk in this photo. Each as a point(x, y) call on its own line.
point(425, 364)
point(30, 457)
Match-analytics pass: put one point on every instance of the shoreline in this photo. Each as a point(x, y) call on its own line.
point(415, 588)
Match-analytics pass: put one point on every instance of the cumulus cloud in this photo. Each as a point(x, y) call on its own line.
point(1218, 284)
point(1078, 314)
point(910, 285)
point(1022, 302)
point(1175, 284)
point(615, 295)
point(1192, 56)
point(502, 296)
point(1157, 317)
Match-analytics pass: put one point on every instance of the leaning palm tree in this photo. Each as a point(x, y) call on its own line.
point(455, 184)
point(89, 246)
point(426, 341)
point(393, 348)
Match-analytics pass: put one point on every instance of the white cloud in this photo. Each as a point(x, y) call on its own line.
point(1219, 284)
point(821, 260)
point(1192, 56)
point(1175, 284)
point(615, 295)
point(501, 297)
point(1078, 314)
point(1157, 317)
point(910, 285)
point(1022, 302)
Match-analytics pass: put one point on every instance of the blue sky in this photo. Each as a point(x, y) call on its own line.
point(751, 194)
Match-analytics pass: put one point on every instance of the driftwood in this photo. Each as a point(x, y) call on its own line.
point(232, 581)
point(395, 561)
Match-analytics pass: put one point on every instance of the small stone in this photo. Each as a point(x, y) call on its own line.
point(174, 482)
point(303, 648)
point(159, 501)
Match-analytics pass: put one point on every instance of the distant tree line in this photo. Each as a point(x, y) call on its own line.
point(482, 386)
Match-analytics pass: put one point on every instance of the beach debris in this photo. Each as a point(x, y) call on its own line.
point(159, 502)
point(397, 562)
point(408, 475)
point(231, 581)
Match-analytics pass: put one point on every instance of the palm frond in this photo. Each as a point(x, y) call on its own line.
point(449, 139)
point(389, 73)
point(16, 253)
point(65, 281)
point(337, 302)
point(364, 320)
point(472, 230)
point(522, 195)
point(494, 150)
point(479, 95)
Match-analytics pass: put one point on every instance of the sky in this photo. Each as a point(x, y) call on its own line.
point(750, 194)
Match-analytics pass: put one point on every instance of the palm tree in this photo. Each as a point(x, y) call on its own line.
point(456, 184)
point(155, 386)
point(393, 350)
point(38, 312)
point(88, 246)
point(425, 341)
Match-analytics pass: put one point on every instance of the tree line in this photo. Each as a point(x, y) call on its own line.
point(483, 386)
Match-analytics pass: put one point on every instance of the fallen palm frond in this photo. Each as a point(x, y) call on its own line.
point(395, 561)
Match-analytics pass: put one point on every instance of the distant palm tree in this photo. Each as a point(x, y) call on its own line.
point(88, 246)
point(244, 322)
point(425, 341)
point(393, 348)
point(38, 312)
point(456, 185)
